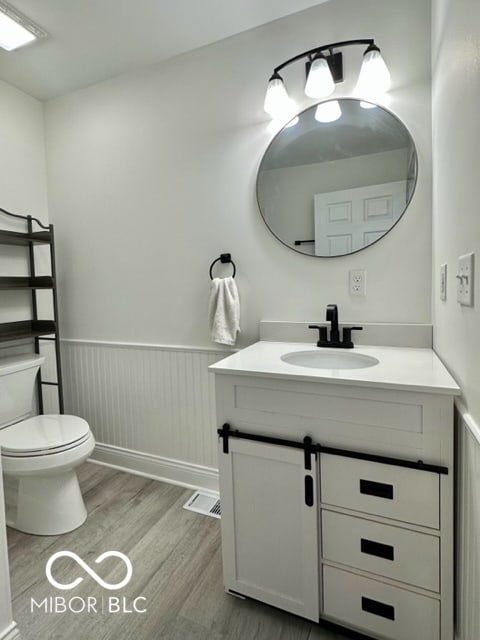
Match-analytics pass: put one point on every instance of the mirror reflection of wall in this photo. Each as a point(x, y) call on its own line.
point(337, 187)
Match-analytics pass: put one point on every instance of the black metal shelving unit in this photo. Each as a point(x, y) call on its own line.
point(19, 282)
point(35, 328)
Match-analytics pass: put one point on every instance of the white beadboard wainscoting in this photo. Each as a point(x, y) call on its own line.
point(468, 526)
point(150, 407)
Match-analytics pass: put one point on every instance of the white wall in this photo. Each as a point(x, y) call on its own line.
point(456, 230)
point(152, 176)
point(23, 186)
point(23, 190)
point(22, 159)
point(456, 193)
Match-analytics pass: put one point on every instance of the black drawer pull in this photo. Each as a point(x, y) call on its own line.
point(376, 549)
point(309, 491)
point(378, 489)
point(378, 608)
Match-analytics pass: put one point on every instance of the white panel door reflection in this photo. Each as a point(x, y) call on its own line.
point(348, 220)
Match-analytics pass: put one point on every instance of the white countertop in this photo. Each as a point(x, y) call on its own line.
point(398, 368)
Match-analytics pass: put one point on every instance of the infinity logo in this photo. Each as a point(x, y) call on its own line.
point(87, 569)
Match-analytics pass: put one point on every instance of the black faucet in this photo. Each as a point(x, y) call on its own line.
point(332, 317)
point(334, 341)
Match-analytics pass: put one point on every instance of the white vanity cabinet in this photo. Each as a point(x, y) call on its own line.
point(355, 528)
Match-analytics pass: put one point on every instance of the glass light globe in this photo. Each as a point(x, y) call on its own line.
point(277, 102)
point(374, 78)
point(320, 83)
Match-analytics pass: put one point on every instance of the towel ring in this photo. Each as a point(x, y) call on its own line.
point(224, 258)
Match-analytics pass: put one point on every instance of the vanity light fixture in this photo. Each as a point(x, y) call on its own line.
point(16, 29)
point(324, 68)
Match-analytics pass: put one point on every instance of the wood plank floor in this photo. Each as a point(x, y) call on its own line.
point(176, 566)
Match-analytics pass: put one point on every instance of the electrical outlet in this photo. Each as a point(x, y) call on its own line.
point(443, 282)
point(465, 280)
point(358, 282)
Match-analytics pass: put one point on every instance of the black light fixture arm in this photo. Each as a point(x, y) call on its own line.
point(328, 47)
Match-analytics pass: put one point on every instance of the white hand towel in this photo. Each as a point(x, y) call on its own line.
point(224, 311)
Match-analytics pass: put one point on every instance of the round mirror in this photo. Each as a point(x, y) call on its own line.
point(330, 188)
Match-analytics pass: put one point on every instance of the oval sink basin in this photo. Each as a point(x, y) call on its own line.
point(329, 359)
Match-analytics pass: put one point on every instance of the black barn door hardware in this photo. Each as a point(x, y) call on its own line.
point(309, 492)
point(226, 432)
point(367, 487)
point(393, 462)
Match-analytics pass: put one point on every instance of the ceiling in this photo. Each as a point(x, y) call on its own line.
point(92, 40)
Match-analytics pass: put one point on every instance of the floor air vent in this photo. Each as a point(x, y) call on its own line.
point(206, 503)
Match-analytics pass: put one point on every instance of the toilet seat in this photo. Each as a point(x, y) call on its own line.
point(43, 435)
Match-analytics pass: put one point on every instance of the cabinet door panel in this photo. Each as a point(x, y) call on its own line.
point(269, 525)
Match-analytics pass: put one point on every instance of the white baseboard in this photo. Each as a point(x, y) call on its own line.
point(184, 474)
point(10, 633)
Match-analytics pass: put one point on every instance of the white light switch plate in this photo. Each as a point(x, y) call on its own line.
point(465, 280)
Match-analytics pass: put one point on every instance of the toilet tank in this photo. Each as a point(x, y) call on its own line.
point(17, 387)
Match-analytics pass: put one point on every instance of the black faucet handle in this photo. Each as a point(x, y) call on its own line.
point(322, 334)
point(332, 313)
point(347, 336)
point(332, 317)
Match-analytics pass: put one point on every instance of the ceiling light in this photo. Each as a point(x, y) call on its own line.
point(328, 111)
point(15, 29)
point(323, 71)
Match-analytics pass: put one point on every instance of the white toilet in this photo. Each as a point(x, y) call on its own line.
point(39, 455)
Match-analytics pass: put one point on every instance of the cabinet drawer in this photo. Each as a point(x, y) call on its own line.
point(408, 495)
point(386, 550)
point(379, 609)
